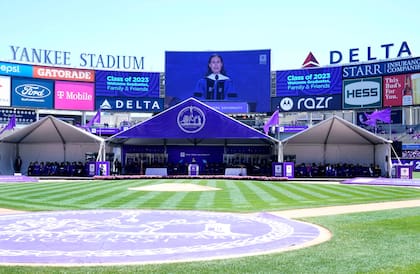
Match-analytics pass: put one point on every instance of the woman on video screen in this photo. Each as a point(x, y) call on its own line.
point(215, 85)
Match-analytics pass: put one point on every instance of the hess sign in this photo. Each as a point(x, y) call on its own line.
point(362, 93)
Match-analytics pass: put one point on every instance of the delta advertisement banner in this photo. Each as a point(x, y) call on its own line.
point(308, 90)
point(74, 96)
point(32, 93)
point(362, 93)
point(131, 104)
point(232, 81)
point(128, 91)
point(5, 86)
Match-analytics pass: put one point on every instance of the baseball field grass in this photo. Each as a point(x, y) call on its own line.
point(386, 241)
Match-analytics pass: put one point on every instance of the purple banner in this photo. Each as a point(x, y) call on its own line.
point(277, 169)
point(415, 163)
point(230, 107)
point(290, 129)
point(130, 84)
point(102, 168)
point(289, 169)
point(103, 131)
point(201, 155)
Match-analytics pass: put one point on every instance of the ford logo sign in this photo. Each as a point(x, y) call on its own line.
point(33, 91)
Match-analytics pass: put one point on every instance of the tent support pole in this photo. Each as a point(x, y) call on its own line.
point(280, 155)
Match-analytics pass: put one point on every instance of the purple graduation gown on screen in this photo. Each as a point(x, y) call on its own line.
point(215, 87)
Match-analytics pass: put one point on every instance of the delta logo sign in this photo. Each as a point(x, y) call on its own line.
point(355, 55)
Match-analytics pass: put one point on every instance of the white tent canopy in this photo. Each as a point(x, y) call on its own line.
point(49, 139)
point(336, 140)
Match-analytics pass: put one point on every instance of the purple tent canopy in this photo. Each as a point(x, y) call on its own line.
point(191, 121)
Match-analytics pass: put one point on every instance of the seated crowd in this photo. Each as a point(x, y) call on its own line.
point(336, 170)
point(411, 154)
point(71, 169)
point(58, 169)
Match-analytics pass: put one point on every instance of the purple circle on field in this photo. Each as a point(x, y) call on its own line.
point(143, 236)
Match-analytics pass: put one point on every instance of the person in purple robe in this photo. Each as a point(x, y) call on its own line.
point(215, 85)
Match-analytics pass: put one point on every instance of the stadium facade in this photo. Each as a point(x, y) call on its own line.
point(303, 97)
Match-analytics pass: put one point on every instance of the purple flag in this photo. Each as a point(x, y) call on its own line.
point(380, 115)
point(384, 115)
point(95, 119)
point(370, 122)
point(273, 121)
point(11, 125)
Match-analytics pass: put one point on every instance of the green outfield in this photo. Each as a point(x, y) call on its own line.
point(235, 196)
point(375, 242)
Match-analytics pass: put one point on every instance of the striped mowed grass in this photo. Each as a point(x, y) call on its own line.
point(233, 196)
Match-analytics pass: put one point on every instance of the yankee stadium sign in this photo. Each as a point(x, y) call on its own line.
point(87, 60)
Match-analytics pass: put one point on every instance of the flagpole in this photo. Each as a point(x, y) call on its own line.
point(390, 133)
point(277, 127)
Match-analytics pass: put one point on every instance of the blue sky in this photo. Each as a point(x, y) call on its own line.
point(148, 28)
